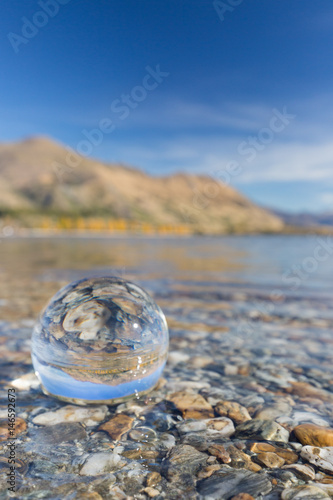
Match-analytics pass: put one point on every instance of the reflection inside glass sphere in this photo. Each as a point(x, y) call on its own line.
point(100, 340)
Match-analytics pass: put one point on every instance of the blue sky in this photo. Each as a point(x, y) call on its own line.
point(229, 71)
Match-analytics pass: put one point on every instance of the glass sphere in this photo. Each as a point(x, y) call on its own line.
point(100, 340)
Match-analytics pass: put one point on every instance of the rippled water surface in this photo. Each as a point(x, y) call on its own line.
point(32, 269)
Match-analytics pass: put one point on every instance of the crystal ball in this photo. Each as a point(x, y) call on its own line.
point(100, 340)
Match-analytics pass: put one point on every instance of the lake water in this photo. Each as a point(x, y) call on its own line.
point(31, 269)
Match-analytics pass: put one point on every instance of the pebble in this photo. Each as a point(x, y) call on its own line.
point(118, 494)
point(200, 361)
point(191, 426)
point(309, 492)
point(233, 410)
point(176, 357)
point(183, 459)
point(327, 487)
point(222, 426)
point(219, 451)
point(140, 454)
point(321, 457)
point(70, 413)
point(302, 417)
point(243, 496)
point(270, 460)
point(61, 433)
point(102, 462)
point(271, 412)
point(151, 492)
point(260, 447)
point(208, 471)
point(216, 394)
point(230, 369)
point(288, 455)
point(191, 405)
point(305, 390)
point(166, 441)
point(153, 479)
point(262, 429)
point(240, 460)
point(117, 426)
point(314, 435)
point(93, 495)
point(228, 483)
point(143, 435)
point(26, 382)
point(302, 471)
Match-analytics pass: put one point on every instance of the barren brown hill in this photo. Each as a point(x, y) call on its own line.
point(39, 175)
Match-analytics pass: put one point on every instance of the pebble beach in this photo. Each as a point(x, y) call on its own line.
point(244, 408)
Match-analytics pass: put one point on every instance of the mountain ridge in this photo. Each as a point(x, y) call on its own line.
point(306, 219)
point(37, 175)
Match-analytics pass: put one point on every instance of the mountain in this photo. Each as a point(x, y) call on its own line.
point(305, 219)
point(39, 176)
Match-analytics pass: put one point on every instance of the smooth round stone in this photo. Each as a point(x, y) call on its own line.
point(143, 435)
point(100, 340)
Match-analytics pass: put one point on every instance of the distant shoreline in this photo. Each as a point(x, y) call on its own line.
point(43, 233)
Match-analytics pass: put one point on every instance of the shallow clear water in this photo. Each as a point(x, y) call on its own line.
point(190, 278)
point(250, 322)
point(265, 262)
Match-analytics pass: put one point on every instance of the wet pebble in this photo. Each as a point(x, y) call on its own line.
point(191, 405)
point(310, 434)
point(271, 412)
point(233, 410)
point(262, 429)
point(70, 413)
point(321, 457)
point(310, 492)
point(270, 460)
point(143, 434)
point(151, 492)
point(302, 471)
point(117, 426)
point(287, 455)
point(183, 459)
point(242, 496)
point(227, 483)
point(153, 479)
point(60, 433)
point(102, 462)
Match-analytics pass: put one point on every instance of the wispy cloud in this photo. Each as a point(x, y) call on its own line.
point(178, 114)
point(292, 162)
point(326, 200)
point(301, 152)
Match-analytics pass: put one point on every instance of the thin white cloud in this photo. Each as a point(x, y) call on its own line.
point(303, 151)
point(174, 114)
point(291, 162)
point(326, 200)
point(278, 161)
